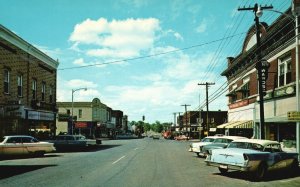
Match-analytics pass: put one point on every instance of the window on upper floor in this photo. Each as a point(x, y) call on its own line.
point(284, 71)
point(20, 85)
point(33, 88)
point(43, 91)
point(80, 113)
point(50, 94)
point(6, 81)
point(246, 88)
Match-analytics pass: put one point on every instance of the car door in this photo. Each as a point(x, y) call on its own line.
point(13, 146)
point(29, 145)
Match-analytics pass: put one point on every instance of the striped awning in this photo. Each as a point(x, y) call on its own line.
point(226, 124)
point(247, 124)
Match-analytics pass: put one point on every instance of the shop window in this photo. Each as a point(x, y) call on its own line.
point(6, 81)
point(20, 85)
point(284, 71)
point(43, 91)
point(33, 87)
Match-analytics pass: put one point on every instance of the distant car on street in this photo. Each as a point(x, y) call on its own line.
point(73, 142)
point(181, 137)
point(24, 145)
point(254, 156)
point(156, 136)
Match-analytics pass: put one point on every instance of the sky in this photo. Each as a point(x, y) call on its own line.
point(143, 57)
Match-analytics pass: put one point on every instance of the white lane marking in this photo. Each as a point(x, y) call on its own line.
point(119, 159)
point(136, 148)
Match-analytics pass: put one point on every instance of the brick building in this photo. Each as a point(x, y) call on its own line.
point(189, 122)
point(278, 47)
point(27, 88)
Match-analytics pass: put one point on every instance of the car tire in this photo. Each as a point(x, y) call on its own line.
point(197, 154)
point(294, 166)
point(223, 170)
point(260, 173)
point(39, 153)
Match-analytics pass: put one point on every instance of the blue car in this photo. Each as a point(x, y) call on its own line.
point(254, 156)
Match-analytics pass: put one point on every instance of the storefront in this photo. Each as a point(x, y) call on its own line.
point(16, 119)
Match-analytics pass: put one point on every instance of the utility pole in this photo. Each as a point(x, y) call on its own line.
point(259, 64)
point(179, 122)
point(186, 126)
point(207, 84)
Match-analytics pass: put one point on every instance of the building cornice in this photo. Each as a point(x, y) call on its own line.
point(15, 40)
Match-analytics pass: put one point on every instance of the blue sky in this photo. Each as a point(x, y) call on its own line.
point(144, 57)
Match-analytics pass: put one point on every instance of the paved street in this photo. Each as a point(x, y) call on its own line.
point(142, 162)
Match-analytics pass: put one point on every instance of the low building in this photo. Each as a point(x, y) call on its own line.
point(92, 119)
point(200, 123)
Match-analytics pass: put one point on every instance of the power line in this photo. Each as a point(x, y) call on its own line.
point(153, 55)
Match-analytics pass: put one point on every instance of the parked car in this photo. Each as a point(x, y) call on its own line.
point(195, 147)
point(218, 143)
point(24, 145)
point(254, 156)
point(156, 136)
point(181, 137)
point(73, 142)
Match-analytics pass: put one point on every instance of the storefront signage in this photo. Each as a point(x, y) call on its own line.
point(284, 91)
point(80, 125)
point(36, 115)
point(264, 74)
point(293, 115)
point(64, 117)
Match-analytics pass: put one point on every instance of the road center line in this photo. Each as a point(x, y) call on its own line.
point(119, 159)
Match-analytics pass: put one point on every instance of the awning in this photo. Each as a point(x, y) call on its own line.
point(247, 124)
point(225, 124)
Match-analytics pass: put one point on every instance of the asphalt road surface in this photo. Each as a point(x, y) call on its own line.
point(129, 163)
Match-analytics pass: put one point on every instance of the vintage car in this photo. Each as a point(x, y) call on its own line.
point(181, 137)
point(62, 142)
point(254, 156)
point(195, 147)
point(156, 136)
point(24, 145)
point(218, 143)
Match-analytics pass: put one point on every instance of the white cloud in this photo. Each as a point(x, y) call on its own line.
point(65, 90)
point(79, 61)
point(118, 38)
point(178, 36)
point(202, 27)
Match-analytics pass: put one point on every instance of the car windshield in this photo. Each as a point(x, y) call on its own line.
point(207, 140)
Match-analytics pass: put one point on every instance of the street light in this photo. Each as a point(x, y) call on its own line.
point(73, 91)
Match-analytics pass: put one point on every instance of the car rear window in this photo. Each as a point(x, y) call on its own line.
point(207, 140)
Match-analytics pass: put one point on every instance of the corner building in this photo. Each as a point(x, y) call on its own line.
point(27, 88)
